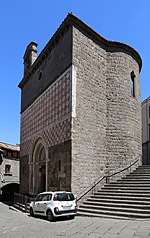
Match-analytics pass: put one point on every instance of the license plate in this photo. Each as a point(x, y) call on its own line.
point(66, 207)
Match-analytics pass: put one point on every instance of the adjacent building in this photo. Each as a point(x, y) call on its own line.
point(9, 170)
point(146, 131)
point(80, 109)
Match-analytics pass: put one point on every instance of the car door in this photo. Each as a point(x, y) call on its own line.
point(37, 204)
point(44, 202)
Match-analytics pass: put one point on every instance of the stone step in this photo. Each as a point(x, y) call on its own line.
point(133, 200)
point(128, 197)
point(142, 185)
point(133, 180)
point(122, 196)
point(126, 187)
point(141, 171)
point(115, 208)
point(118, 204)
point(103, 215)
point(144, 172)
point(122, 215)
point(137, 176)
point(143, 167)
point(125, 190)
point(123, 193)
point(140, 174)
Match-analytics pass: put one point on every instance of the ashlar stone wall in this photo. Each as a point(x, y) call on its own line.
point(123, 131)
point(106, 131)
point(89, 124)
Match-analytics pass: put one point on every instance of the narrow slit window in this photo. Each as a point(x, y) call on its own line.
point(59, 165)
point(132, 84)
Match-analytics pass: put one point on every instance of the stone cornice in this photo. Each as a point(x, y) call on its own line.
point(72, 20)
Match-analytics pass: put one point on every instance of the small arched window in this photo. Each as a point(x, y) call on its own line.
point(132, 83)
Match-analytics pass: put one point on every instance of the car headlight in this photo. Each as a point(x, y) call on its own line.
point(56, 210)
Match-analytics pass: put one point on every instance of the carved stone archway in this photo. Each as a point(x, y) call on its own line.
point(38, 171)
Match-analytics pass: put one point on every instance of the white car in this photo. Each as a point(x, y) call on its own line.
point(54, 204)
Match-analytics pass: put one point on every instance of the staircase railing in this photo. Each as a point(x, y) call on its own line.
point(107, 176)
point(89, 188)
point(22, 202)
point(129, 168)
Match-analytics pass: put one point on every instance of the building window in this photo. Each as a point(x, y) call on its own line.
point(132, 84)
point(15, 154)
point(9, 154)
point(40, 75)
point(5, 153)
point(7, 169)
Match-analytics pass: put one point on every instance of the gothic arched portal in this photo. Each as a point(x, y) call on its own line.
point(39, 168)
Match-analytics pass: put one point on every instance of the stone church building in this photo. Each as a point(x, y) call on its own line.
point(80, 109)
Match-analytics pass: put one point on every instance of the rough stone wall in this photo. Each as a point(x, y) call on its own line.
point(146, 130)
point(24, 174)
point(59, 167)
point(123, 130)
point(89, 123)
point(106, 131)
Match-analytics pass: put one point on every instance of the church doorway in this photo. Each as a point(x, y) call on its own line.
point(39, 168)
point(42, 180)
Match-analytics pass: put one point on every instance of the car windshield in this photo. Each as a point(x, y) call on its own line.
point(43, 197)
point(64, 197)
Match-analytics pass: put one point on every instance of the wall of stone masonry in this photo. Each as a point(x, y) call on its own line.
point(146, 131)
point(123, 131)
point(59, 167)
point(106, 130)
point(24, 174)
point(89, 122)
point(13, 176)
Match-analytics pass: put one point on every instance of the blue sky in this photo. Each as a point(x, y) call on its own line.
point(21, 22)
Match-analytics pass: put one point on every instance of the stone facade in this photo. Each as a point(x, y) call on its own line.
point(9, 170)
point(146, 131)
point(48, 119)
point(107, 126)
point(78, 114)
point(123, 130)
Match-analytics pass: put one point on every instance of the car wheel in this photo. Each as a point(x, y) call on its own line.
point(50, 216)
point(31, 212)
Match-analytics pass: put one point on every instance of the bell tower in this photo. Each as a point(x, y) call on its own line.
point(30, 56)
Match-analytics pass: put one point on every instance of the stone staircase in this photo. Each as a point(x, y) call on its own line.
point(126, 198)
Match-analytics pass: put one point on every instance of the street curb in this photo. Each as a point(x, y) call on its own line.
point(13, 208)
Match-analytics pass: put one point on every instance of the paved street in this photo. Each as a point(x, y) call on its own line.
point(17, 225)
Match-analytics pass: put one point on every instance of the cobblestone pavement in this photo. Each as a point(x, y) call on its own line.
point(15, 224)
